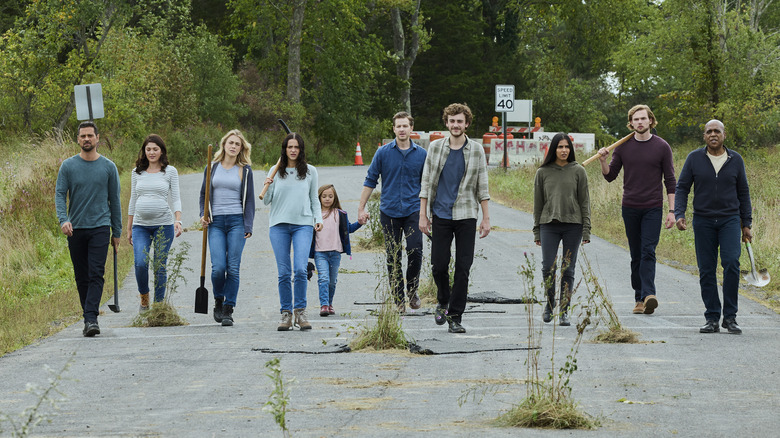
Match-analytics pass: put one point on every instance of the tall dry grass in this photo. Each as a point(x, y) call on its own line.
point(515, 188)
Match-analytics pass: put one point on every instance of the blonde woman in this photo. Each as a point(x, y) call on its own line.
point(230, 220)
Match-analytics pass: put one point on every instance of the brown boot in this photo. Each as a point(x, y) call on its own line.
point(286, 322)
point(144, 302)
point(300, 319)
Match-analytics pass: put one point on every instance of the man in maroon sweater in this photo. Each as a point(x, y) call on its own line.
point(648, 164)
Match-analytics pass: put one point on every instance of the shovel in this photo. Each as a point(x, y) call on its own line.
point(115, 307)
point(755, 277)
point(201, 293)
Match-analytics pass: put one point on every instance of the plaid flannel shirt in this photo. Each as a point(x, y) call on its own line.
point(473, 187)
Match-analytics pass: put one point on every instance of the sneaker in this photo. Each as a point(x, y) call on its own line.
point(331, 311)
point(564, 320)
point(639, 307)
point(144, 303)
point(455, 327)
point(286, 322)
point(227, 316)
point(218, 308)
point(547, 314)
point(440, 316)
point(710, 327)
point(324, 311)
point(651, 302)
point(300, 319)
point(414, 301)
point(91, 329)
point(731, 326)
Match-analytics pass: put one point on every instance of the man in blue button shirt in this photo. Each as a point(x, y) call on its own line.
point(400, 165)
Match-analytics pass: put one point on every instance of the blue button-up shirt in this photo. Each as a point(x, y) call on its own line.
point(401, 174)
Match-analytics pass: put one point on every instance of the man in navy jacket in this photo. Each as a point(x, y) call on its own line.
point(721, 215)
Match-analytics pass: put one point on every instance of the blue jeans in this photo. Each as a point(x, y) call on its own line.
point(283, 237)
point(226, 243)
point(709, 234)
point(327, 263)
point(643, 229)
point(551, 235)
point(143, 236)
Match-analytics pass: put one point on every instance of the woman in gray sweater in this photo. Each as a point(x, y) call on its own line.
point(561, 213)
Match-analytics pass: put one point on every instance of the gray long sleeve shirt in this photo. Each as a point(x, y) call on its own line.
point(87, 194)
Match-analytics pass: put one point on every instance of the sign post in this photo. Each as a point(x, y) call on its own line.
point(505, 102)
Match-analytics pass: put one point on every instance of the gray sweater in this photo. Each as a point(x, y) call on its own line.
point(561, 193)
point(91, 191)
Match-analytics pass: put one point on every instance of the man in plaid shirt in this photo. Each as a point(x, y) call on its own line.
point(455, 179)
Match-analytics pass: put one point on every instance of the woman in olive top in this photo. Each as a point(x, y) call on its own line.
point(561, 213)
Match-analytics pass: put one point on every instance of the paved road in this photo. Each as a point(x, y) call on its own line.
point(206, 380)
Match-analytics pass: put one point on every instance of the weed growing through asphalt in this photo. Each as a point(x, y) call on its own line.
point(164, 314)
point(387, 331)
point(279, 398)
point(23, 424)
point(548, 402)
point(615, 333)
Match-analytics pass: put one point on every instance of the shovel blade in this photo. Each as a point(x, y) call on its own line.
point(202, 300)
point(114, 308)
point(755, 277)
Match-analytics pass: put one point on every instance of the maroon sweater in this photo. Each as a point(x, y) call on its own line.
point(647, 163)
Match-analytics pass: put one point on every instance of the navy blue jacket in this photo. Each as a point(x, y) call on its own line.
point(345, 228)
point(721, 195)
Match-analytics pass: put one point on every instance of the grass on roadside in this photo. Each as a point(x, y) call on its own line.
point(515, 188)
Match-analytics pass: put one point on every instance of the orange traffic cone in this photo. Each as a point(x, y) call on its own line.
point(358, 156)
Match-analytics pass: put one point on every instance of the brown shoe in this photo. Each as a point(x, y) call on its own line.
point(286, 322)
point(651, 302)
point(300, 319)
point(144, 303)
point(414, 301)
point(640, 307)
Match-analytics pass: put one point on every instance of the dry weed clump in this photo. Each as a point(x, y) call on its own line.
point(544, 412)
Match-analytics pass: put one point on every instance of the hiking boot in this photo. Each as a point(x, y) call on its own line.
point(91, 329)
point(440, 316)
point(286, 322)
point(324, 311)
point(710, 327)
point(331, 311)
point(414, 300)
point(639, 307)
point(300, 319)
point(227, 316)
point(144, 303)
point(218, 308)
point(455, 327)
point(651, 302)
point(547, 314)
point(564, 320)
point(731, 326)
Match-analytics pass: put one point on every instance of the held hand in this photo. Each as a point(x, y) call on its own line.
point(669, 220)
point(681, 224)
point(67, 229)
point(115, 243)
point(363, 216)
point(269, 180)
point(585, 241)
point(603, 154)
point(484, 228)
point(538, 242)
point(247, 235)
point(204, 222)
point(177, 228)
point(747, 235)
point(318, 227)
point(425, 225)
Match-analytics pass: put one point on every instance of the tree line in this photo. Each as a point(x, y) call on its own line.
point(338, 69)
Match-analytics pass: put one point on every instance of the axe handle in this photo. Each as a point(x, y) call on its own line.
point(609, 148)
point(272, 175)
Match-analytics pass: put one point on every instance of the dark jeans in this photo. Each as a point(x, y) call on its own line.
point(643, 229)
point(394, 230)
point(464, 231)
point(88, 251)
point(709, 234)
point(552, 234)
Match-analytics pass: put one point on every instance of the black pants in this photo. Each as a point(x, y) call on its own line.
point(443, 231)
point(88, 251)
point(552, 235)
point(394, 230)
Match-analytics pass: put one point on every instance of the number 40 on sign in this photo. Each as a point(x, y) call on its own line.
point(505, 98)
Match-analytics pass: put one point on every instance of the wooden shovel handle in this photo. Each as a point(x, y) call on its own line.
point(609, 148)
point(272, 175)
point(206, 214)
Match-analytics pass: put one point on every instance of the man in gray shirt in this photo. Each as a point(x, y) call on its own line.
point(89, 212)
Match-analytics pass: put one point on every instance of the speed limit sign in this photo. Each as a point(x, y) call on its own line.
point(505, 98)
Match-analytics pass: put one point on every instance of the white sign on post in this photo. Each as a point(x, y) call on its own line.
point(505, 98)
point(523, 112)
point(89, 101)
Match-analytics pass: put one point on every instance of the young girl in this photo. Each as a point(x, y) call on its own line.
point(328, 244)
